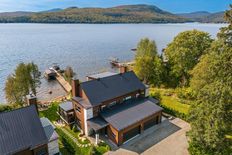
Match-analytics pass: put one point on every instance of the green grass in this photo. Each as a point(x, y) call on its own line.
point(170, 101)
point(101, 149)
point(77, 135)
point(51, 112)
point(174, 104)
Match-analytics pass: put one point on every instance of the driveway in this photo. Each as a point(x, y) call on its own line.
point(167, 138)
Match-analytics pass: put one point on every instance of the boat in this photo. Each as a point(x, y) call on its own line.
point(134, 49)
point(114, 62)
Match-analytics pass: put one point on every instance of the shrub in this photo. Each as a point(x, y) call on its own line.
point(7, 107)
point(174, 112)
point(185, 93)
point(156, 94)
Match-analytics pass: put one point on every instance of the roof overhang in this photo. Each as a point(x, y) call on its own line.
point(97, 123)
point(130, 112)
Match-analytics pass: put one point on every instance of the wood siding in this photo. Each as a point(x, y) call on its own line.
point(79, 116)
point(118, 138)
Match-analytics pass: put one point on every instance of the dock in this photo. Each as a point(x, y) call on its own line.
point(115, 63)
point(67, 87)
point(53, 73)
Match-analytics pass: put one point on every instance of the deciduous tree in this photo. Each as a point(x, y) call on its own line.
point(184, 51)
point(148, 65)
point(25, 79)
point(226, 32)
point(211, 113)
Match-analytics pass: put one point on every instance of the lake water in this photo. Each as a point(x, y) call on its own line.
point(85, 47)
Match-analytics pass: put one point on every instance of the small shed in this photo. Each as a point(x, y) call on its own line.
point(50, 74)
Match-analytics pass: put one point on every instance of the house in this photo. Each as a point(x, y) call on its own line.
point(99, 75)
point(52, 136)
point(117, 106)
point(66, 112)
point(22, 133)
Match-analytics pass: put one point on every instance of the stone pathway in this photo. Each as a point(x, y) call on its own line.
point(75, 139)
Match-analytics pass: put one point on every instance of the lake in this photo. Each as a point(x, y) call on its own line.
point(85, 47)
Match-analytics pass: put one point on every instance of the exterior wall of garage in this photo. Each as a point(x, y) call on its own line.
point(117, 136)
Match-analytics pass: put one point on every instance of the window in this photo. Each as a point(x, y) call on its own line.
point(78, 108)
point(127, 98)
point(42, 151)
point(103, 107)
point(137, 95)
point(113, 135)
point(112, 104)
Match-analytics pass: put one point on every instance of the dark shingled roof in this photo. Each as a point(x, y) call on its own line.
point(20, 129)
point(84, 102)
point(130, 112)
point(97, 123)
point(110, 87)
point(49, 129)
point(66, 106)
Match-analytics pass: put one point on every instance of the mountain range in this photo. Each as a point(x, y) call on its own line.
point(120, 14)
point(204, 16)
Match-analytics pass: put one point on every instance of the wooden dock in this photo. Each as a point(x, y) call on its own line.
point(67, 87)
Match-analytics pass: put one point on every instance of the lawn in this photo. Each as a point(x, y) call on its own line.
point(171, 103)
point(51, 112)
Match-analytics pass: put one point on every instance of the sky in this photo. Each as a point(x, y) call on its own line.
point(174, 6)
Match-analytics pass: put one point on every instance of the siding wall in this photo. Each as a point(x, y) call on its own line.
point(118, 139)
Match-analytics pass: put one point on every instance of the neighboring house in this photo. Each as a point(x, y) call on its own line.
point(66, 112)
point(22, 133)
point(52, 136)
point(116, 105)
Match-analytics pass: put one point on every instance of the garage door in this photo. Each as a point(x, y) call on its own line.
point(131, 133)
point(151, 123)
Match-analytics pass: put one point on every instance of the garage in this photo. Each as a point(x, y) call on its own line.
point(150, 123)
point(131, 133)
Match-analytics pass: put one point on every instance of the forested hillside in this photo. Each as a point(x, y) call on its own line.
point(120, 14)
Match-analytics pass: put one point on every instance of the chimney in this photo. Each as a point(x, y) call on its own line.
point(123, 69)
point(32, 99)
point(75, 87)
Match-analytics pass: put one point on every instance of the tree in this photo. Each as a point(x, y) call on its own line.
point(69, 73)
point(226, 32)
point(183, 53)
point(25, 80)
point(148, 65)
point(211, 113)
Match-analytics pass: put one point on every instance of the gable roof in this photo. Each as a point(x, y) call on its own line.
point(20, 129)
point(110, 87)
point(49, 129)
